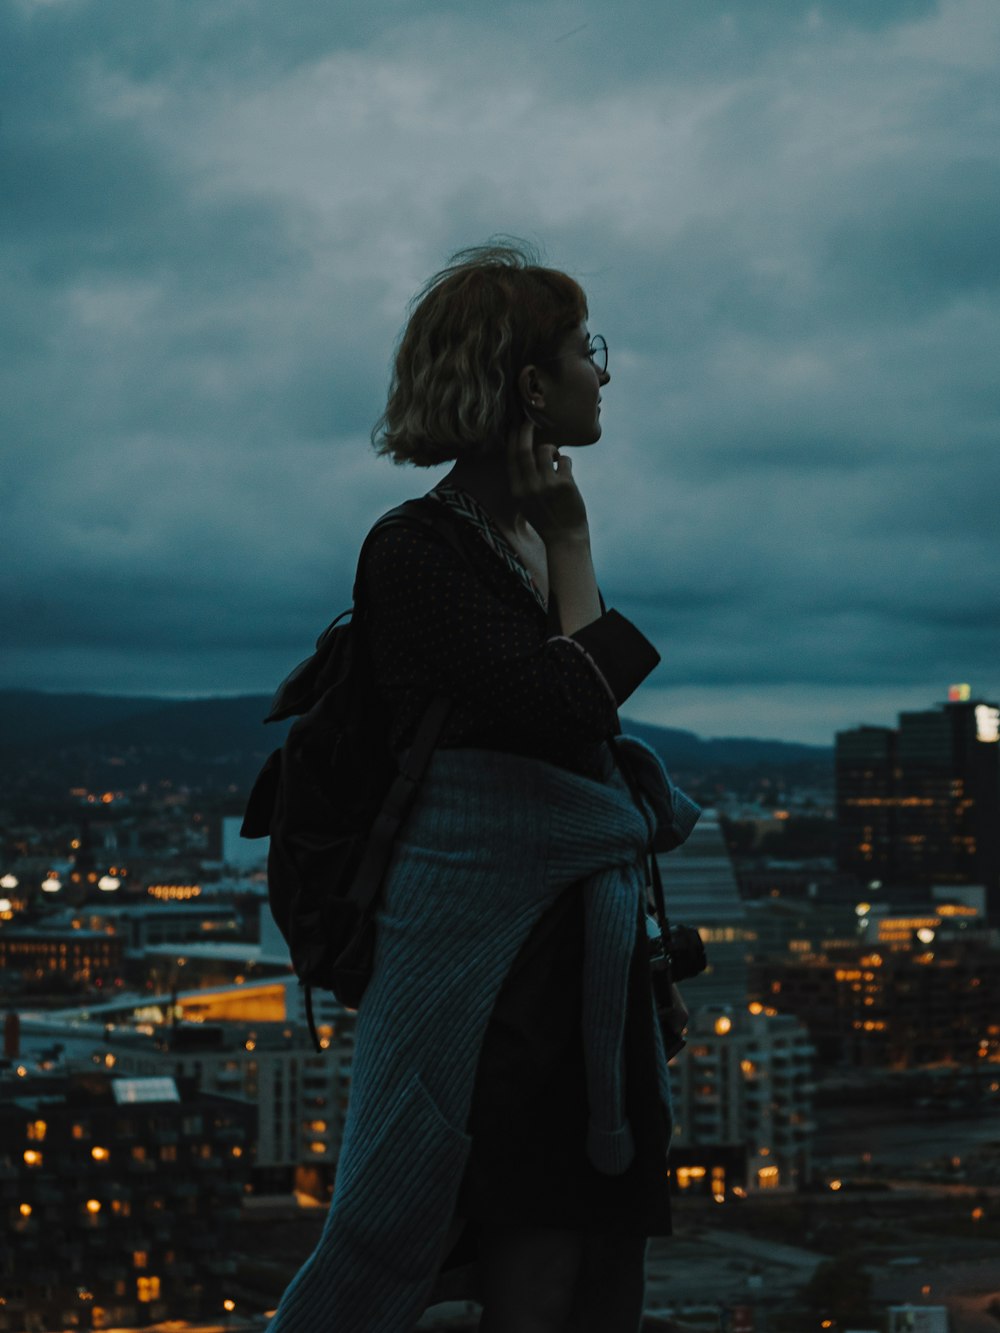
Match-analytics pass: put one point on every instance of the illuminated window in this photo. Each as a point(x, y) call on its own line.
point(168, 1153)
point(140, 1258)
point(768, 1177)
point(147, 1288)
point(32, 1158)
point(139, 1152)
point(36, 1130)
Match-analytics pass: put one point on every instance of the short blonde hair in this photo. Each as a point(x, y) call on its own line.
point(471, 330)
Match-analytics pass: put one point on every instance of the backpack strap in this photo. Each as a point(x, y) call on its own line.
point(396, 805)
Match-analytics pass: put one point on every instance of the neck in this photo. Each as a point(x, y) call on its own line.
point(487, 480)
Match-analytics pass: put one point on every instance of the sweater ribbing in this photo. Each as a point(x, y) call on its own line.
point(492, 841)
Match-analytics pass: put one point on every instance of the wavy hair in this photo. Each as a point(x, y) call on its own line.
point(471, 329)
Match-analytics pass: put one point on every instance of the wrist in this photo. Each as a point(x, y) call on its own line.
point(571, 538)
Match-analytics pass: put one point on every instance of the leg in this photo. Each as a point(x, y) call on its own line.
point(612, 1285)
point(529, 1279)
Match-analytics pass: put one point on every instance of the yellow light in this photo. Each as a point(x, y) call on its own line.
point(863, 909)
point(317, 1147)
point(25, 1210)
point(827, 1323)
point(722, 1025)
point(318, 1126)
point(756, 1007)
point(836, 1184)
point(36, 1130)
point(229, 1305)
point(32, 1158)
point(251, 1045)
point(977, 1213)
point(719, 1198)
point(100, 1154)
point(237, 1150)
point(93, 1205)
point(109, 1060)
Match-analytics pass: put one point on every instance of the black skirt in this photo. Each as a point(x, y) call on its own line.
point(528, 1165)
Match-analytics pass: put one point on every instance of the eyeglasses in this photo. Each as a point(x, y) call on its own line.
point(597, 351)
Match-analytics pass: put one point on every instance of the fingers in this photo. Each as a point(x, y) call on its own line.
point(532, 465)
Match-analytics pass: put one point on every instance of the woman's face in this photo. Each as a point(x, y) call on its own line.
point(564, 394)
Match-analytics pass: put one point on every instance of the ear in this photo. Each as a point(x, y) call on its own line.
point(530, 387)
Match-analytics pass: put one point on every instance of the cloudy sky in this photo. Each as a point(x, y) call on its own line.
point(785, 215)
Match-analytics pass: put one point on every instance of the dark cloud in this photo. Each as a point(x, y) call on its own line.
point(784, 216)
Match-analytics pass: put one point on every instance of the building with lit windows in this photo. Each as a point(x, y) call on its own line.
point(898, 1003)
point(120, 1198)
point(82, 956)
point(920, 804)
point(700, 890)
point(742, 1090)
point(248, 1041)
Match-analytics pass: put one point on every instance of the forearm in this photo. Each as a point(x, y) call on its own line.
point(573, 582)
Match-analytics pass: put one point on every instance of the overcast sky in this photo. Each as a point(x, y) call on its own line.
point(785, 215)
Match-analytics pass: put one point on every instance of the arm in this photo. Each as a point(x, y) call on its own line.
point(541, 480)
point(436, 625)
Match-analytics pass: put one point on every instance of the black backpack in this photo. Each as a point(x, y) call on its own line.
point(333, 797)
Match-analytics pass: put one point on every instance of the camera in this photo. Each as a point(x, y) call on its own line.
point(675, 954)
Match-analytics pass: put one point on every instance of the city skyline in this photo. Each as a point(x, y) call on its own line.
point(784, 220)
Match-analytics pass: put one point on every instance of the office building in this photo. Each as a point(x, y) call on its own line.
point(920, 804)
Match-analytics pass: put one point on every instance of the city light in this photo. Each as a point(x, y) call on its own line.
point(100, 1154)
point(93, 1205)
point(108, 883)
point(987, 724)
point(51, 884)
point(9, 882)
point(722, 1025)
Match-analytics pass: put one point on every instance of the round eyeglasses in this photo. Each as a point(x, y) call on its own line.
point(597, 350)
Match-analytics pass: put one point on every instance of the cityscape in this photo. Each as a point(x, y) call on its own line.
point(170, 1133)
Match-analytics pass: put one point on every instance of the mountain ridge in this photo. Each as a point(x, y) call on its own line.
point(215, 725)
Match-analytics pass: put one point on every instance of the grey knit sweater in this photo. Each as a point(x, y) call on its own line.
point(493, 840)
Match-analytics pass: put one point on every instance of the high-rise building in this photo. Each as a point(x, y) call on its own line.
point(700, 890)
point(920, 805)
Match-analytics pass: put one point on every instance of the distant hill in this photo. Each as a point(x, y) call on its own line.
point(684, 747)
point(62, 740)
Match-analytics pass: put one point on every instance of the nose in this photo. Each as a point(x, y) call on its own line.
point(603, 378)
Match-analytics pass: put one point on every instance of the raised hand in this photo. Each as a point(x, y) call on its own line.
point(541, 481)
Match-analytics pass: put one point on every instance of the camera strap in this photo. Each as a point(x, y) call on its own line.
point(653, 873)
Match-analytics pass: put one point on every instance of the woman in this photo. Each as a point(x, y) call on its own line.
point(509, 1114)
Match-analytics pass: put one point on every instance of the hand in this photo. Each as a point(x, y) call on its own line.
point(541, 480)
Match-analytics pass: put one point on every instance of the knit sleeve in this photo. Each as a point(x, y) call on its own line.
point(436, 626)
